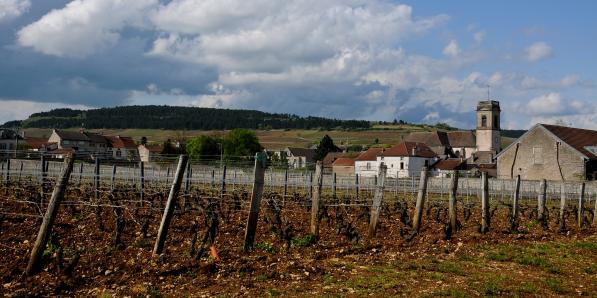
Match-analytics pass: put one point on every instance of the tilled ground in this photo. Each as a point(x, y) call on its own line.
point(287, 261)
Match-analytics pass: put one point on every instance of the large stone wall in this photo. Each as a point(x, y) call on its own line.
point(570, 164)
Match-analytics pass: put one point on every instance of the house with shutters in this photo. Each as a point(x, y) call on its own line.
point(123, 148)
point(365, 165)
point(551, 152)
point(406, 159)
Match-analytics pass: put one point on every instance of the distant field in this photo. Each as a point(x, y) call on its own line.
point(275, 139)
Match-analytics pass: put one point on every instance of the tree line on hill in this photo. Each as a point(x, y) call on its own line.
point(168, 117)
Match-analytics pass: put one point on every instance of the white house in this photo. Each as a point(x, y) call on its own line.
point(365, 165)
point(406, 159)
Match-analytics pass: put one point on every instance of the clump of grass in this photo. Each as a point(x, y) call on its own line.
point(449, 267)
point(268, 247)
point(556, 285)
point(527, 288)
point(304, 241)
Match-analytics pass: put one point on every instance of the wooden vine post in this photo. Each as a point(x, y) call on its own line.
point(452, 201)
point(316, 199)
point(141, 182)
point(562, 218)
point(515, 199)
point(541, 216)
point(258, 182)
point(377, 199)
point(417, 218)
point(581, 199)
point(50, 216)
point(485, 220)
point(169, 210)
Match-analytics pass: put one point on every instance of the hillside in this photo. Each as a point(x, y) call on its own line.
point(168, 117)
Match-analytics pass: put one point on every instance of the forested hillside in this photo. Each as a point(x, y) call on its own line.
point(168, 117)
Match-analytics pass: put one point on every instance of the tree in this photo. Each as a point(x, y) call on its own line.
point(326, 145)
point(143, 140)
point(204, 147)
point(240, 142)
point(168, 148)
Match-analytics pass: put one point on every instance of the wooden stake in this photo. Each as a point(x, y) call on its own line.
point(452, 201)
point(563, 206)
point(286, 181)
point(377, 199)
point(169, 210)
point(334, 185)
point(417, 218)
point(315, 199)
point(113, 180)
point(485, 220)
point(515, 199)
point(581, 199)
point(223, 188)
point(49, 217)
point(142, 182)
point(258, 181)
point(541, 216)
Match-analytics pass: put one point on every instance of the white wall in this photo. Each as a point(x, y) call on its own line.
point(366, 168)
point(411, 165)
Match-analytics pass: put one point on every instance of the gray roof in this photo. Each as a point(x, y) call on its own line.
point(96, 138)
point(8, 134)
point(309, 154)
point(71, 135)
point(462, 139)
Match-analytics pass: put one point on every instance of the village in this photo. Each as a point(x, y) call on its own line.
point(545, 151)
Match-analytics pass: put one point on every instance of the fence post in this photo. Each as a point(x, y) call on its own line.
point(541, 202)
point(49, 217)
point(417, 218)
point(581, 199)
point(169, 210)
point(96, 179)
point(286, 181)
point(42, 175)
point(258, 181)
point(356, 181)
point(7, 171)
point(515, 198)
point(310, 184)
point(187, 184)
point(334, 185)
point(377, 199)
point(485, 220)
point(20, 172)
point(213, 178)
point(113, 179)
point(80, 174)
point(223, 188)
point(141, 181)
point(562, 218)
point(452, 202)
point(315, 200)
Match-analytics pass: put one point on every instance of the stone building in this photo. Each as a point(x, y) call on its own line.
point(551, 152)
point(343, 166)
point(488, 126)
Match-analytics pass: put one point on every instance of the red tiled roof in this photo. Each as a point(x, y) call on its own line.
point(576, 137)
point(407, 148)
point(329, 159)
point(344, 161)
point(121, 142)
point(449, 164)
point(36, 143)
point(154, 148)
point(462, 139)
point(370, 154)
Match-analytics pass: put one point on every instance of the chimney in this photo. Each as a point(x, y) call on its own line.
point(414, 151)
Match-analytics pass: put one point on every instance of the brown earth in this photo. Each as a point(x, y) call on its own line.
point(286, 261)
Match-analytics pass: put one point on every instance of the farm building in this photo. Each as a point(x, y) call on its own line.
point(463, 143)
point(551, 152)
point(406, 159)
point(343, 166)
point(8, 139)
point(148, 153)
point(443, 167)
point(122, 147)
point(299, 157)
point(436, 140)
point(365, 164)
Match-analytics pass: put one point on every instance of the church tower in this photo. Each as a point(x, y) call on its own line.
point(488, 126)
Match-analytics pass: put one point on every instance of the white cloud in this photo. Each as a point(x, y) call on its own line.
point(452, 49)
point(538, 51)
point(21, 109)
point(479, 36)
point(554, 104)
point(83, 26)
point(10, 9)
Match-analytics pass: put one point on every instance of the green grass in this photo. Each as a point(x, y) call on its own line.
point(306, 240)
point(556, 285)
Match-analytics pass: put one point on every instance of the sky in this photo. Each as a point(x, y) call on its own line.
point(418, 61)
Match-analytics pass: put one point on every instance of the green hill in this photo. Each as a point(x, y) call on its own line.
point(168, 117)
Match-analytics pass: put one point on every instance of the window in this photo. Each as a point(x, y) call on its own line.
point(118, 153)
point(65, 142)
point(368, 166)
point(483, 121)
point(402, 166)
point(537, 155)
point(426, 163)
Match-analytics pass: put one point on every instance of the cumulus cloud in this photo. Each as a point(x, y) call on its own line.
point(10, 9)
point(83, 26)
point(21, 109)
point(553, 104)
point(452, 49)
point(538, 51)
